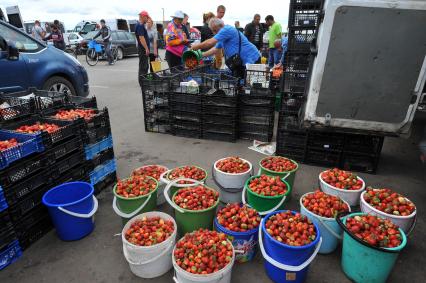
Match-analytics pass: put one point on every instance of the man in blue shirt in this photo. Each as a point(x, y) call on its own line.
point(143, 48)
point(230, 39)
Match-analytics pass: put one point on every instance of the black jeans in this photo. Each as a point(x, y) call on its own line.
point(143, 63)
point(151, 59)
point(108, 51)
point(173, 60)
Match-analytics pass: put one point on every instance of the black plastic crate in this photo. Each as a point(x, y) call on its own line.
point(323, 157)
point(257, 97)
point(186, 125)
point(363, 144)
point(185, 107)
point(217, 110)
point(256, 111)
point(101, 117)
point(290, 106)
point(289, 123)
point(222, 84)
point(220, 128)
point(187, 133)
point(177, 116)
point(176, 97)
point(18, 191)
point(220, 100)
point(86, 102)
point(159, 81)
point(295, 82)
point(5, 220)
point(78, 173)
point(327, 141)
point(257, 78)
point(108, 181)
point(61, 150)
point(292, 139)
point(256, 128)
point(294, 61)
point(39, 212)
point(304, 17)
point(66, 129)
point(35, 232)
point(360, 162)
point(26, 205)
point(157, 127)
point(7, 235)
point(265, 137)
point(96, 134)
point(67, 163)
point(227, 120)
point(102, 157)
point(295, 153)
point(219, 136)
point(258, 120)
point(18, 108)
point(300, 40)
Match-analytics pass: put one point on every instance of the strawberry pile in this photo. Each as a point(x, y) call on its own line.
point(389, 201)
point(6, 144)
point(72, 114)
point(341, 179)
point(278, 164)
point(191, 172)
point(291, 229)
point(153, 171)
point(376, 231)
point(233, 165)
point(267, 185)
point(196, 198)
point(238, 218)
point(135, 186)
point(149, 231)
point(323, 204)
point(203, 252)
point(38, 127)
point(191, 62)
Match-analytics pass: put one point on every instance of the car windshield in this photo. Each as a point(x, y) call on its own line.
point(21, 41)
point(90, 35)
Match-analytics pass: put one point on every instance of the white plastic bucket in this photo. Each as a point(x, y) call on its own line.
point(350, 196)
point(406, 223)
point(221, 276)
point(230, 195)
point(161, 184)
point(331, 233)
point(231, 180)
point(150, 261)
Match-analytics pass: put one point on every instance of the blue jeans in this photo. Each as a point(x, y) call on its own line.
point(273, 57)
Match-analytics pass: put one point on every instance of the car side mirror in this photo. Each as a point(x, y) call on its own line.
point(13, 53)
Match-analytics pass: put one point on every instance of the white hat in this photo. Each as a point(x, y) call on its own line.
point(178, 14)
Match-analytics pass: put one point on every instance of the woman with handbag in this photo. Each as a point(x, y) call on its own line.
point(239, 51)
point(153, 38)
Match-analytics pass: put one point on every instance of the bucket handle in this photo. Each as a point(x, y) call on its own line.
point(222, 188)
point(283, 178)
point(164, 252)
point(284, 266)
point(174, 183)
point(343, 226)
point(339, 237)
point(129, 215)
point(262, 212)
point(176, 280)
point(163, 179)
point(82, 215)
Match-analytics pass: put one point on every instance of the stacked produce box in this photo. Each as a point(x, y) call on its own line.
point(326, 148)
point(43, 146)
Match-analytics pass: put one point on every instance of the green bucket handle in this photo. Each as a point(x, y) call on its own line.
point(343, 226)
point(284, 266)
point(80, 215)
point(164, 252)
point(175, 184)
point(129, 215)
point(282, 178)
point(262, 212)
point(162, 179)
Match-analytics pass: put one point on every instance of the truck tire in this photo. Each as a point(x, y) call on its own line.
point(59, 84)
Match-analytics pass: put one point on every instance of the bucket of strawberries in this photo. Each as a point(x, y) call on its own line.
point(154, 171)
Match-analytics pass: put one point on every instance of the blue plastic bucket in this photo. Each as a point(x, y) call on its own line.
point(330, 230)
point(244, 242)
point(362, 262)
point(72, 207)
point(284, 263)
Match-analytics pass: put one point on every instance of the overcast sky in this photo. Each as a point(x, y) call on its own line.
point(71, 12)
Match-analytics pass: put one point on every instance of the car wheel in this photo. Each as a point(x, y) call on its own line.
point(120, 53)
point(59, 84)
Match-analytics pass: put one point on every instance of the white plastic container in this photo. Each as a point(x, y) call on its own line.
point(231, 180)
point(161, 185)
point(230, 195)
point(350, 196)
point(406, 223)
point(151, 261)
point(221, 276)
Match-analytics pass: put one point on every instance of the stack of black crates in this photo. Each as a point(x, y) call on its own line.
point(328, 148)
point(43, 160)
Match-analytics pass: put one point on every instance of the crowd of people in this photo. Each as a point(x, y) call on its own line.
point(237, 45)
point(55, 35)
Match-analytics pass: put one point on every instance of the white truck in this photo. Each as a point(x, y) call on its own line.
point(84, 27)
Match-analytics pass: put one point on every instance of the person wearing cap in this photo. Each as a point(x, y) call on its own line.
point(235, 45)
point(176, 40)
point(143, 48)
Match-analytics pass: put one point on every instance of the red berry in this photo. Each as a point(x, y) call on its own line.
point(149, 231)
point(278, 164)
point(196, 198)
point(389, 201)
point(238, 218)
point(153, 171)
point(135, 186)
point(341, 179)
point(191, 172)
point(267, 185)
point(233, 165)
point(323, 204)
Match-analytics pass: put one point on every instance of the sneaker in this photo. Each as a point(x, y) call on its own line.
point(111, 63)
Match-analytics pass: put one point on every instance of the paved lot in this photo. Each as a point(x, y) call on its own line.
point(98, 257)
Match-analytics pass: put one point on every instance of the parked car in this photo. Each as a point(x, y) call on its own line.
point(125, 42)
point(32, 63)
point(72, 38)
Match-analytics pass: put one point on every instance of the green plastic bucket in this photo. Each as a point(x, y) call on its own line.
point(191, 220)
point(127, 208)
point(264, 204)
point(165, 178)
point(287, 176)
point(362, 262)
point(197, 54)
